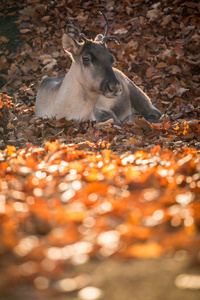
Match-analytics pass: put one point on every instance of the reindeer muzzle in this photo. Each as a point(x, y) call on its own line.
point(111, 89)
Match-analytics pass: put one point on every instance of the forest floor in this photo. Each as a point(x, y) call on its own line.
point(98, 205)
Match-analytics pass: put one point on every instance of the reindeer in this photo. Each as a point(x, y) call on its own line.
point(92, 88)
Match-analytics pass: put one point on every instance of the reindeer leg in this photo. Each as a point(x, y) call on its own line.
point(102, 115)
point(141, 103)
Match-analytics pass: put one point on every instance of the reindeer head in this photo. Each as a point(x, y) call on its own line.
point(93, 62)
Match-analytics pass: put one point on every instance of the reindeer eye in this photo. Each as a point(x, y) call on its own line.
point(86, 60)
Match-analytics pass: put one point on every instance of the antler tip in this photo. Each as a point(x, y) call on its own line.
point(82, 35)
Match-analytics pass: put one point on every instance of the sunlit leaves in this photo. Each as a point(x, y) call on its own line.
point(110, 202)
point(145, 250)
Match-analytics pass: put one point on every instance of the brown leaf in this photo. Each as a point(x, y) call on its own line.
point(142, 123)
point(149, 71)
point(166, 20)
point(161, 65)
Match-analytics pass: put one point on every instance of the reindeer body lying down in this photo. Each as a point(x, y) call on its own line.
point(92, 89)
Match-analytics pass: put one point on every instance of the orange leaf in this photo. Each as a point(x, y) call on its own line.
point(145, 250)
point(11, 150)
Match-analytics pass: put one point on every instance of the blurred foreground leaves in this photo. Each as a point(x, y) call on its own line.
point(62, 205)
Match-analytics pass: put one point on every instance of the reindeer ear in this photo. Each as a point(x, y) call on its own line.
point(70, 45)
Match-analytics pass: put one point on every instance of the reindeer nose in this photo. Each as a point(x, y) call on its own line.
point(111, 86)
point(115, 87)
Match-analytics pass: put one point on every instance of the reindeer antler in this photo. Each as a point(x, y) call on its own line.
point(82, 35)
point(107, 38)
point(107, 24)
